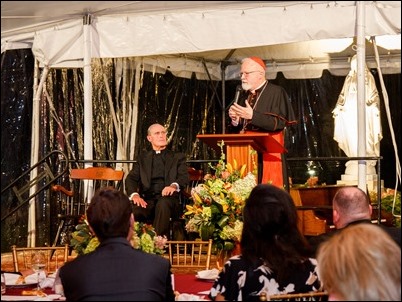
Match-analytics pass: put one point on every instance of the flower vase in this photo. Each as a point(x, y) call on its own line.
point(223, 255)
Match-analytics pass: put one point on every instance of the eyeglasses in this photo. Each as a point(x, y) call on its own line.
point(246, 73)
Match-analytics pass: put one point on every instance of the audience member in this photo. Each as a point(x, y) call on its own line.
point(274, 254)
point(360, 263)
point(155, 181)
point(351, 205)
point(115, 271)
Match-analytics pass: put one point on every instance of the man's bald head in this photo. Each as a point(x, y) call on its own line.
point(350, 204)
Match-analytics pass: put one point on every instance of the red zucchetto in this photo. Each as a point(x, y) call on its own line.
point(259, 61)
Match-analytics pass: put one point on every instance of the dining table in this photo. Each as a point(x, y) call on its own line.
point(15, 291)
point(190, 284)
point(15, 294)
point(183, 284)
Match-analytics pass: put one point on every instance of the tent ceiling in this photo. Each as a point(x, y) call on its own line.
point(297, 38)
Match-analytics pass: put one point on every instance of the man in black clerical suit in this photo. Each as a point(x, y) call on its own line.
point(260, 107)
point(155, 181)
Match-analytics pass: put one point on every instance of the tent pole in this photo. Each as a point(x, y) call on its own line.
point(32, 227)
point(361, 103)
point(88, 142)
point(223, 67)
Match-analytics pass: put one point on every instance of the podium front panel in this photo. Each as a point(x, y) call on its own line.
point(240, 147)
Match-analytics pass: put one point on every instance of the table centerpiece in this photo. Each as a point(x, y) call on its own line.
point(144, 238)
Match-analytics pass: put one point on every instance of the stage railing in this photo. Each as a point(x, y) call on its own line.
point(345, 158)
point(25, 189)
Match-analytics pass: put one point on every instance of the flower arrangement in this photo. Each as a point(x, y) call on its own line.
point(390, 203)
point(144, 238)
point(218, 203)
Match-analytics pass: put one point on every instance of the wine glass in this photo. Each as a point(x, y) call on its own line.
point(38, 264)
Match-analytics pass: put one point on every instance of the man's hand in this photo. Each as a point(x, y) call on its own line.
point(240, 111)
point(137, 200)
point(233, 115)
point(168, 191)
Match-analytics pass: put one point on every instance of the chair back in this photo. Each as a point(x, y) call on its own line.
point(84, 183)
point(73, 201)
point(196, 177)
point(309, 296)
point(56, 256)
point(194, 255)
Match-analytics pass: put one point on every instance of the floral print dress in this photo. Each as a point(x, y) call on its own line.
point(240, 282)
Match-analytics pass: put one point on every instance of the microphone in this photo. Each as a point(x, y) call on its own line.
point(237, 95)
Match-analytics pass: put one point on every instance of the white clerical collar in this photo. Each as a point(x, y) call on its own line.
point(259, 87)
point(158, 151)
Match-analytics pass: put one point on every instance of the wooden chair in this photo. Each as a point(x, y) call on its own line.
point(73, 202)
point(310, 296)
point(196, 177)
point(56, 256)
point(191, 255)
point(177, 224)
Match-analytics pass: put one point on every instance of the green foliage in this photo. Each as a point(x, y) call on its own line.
point(388, 205)
point(144, 238)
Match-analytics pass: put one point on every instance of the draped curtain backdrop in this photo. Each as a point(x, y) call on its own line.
point(126, 100)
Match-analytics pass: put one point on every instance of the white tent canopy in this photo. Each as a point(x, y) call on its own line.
point(297, 38)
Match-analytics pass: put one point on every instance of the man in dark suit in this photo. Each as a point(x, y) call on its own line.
point(351, 205)
point(155, 181)
point(115, 271)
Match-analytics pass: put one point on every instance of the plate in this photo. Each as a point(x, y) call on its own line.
point(206, 279)
point(27, 284)
point(11, 279)
point(208, 275)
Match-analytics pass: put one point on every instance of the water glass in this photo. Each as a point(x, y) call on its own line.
point(38, 263)
point(3, 284)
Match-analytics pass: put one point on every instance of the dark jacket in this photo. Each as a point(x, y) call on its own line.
point(272, 112)
point(139, 178)
point(116, 271)
point(315, 241)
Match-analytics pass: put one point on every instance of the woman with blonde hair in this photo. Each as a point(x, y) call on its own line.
point(360, 263)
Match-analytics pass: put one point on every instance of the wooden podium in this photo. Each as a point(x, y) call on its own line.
point(239, 147)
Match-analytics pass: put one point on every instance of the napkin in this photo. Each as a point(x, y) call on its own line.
point(47, 282)
point(190, 297)
point(57, 286)
point(208, 274)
